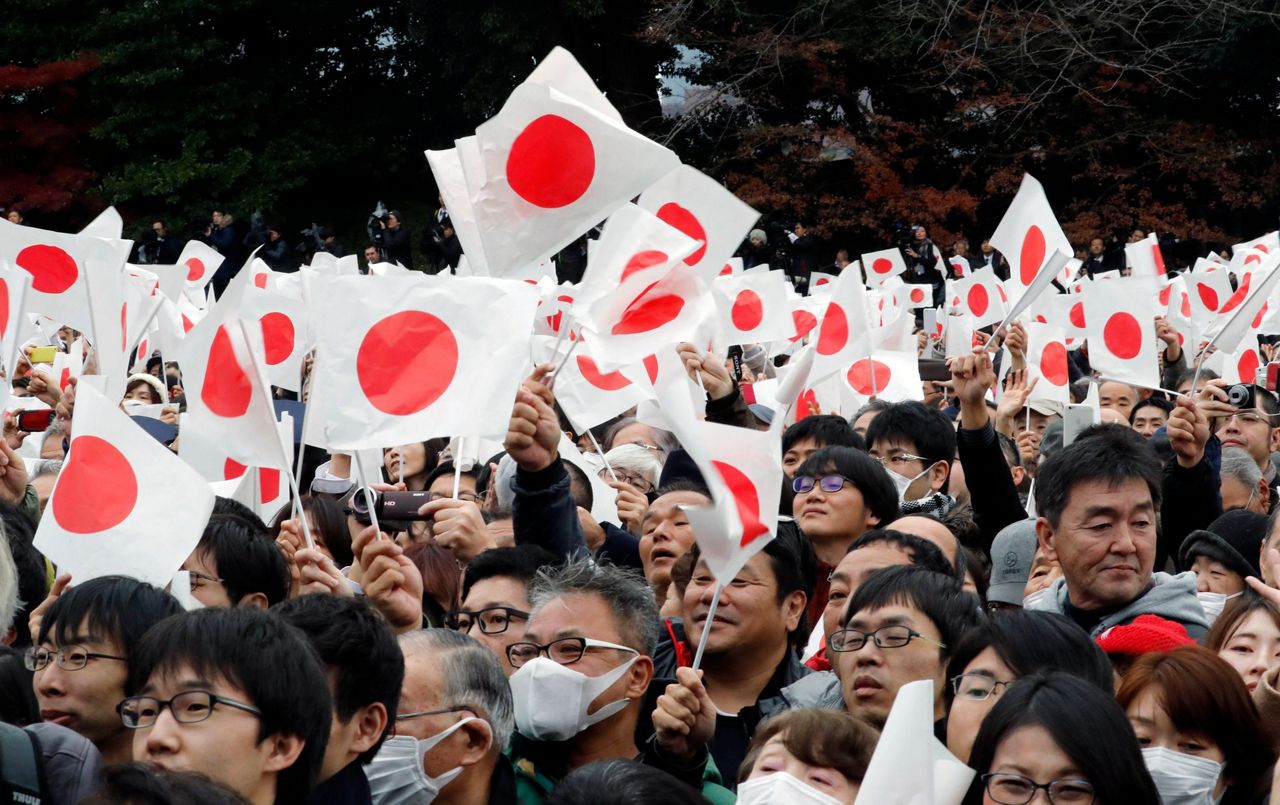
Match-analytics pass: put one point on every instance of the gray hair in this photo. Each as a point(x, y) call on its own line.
point(1238, 464)
point(472, 678)
point(10, 603)
point(628, 595)
point(506, 494)
point(664, 440)
point(46, 466)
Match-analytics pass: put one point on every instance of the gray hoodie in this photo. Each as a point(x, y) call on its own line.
point(1169, 597)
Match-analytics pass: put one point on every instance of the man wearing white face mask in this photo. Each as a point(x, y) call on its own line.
point(917, 445)
point(582, 681)
point(454, 719)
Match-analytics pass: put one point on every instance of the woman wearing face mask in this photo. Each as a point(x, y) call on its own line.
point(1055, 734)
point(808, 757)
point(991, 658)
point(1247, 636)
point(1222, 556)
point(1201, 737)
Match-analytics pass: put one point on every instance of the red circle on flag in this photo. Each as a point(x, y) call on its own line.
point(592, 374)
point(804, 322)
point(1077, 315)
point(1186, 306)
point(1032, 255)
point(233, 469)
point(406, 361)
point(823, 281)
point(1248, 366)
point(748, 310)
point(835, 331)
point(226, 389)
point(882, 265)
point(260, 280)
point(1257, 320)
point(688, 223)
point(642, 260)
point(1207, 295)
point(1164, 295)
point(869, 377)
point(551, 163)
point(4, 306)
point(277, 337)
point(1253, 258)
point(1236, 298)
point(651, 368)
point(726, 271)
point(187, 323)
point(97, 489)
point(647, 313)
point(124, 327)
point(745, 498)
point(1053, 363)
point(1122, 336)
point(195, 269)
point(52, 269)
point(268, 484)
point(978, 300)
point(917, 295)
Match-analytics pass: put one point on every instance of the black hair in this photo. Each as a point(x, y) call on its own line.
point(978, 565)
point(1189, 376)
point(147, 784)
point(521, 562)
point(1151, 402)
point(579, 486)
point(872, 480)
point(115, 608)
point(248, 560)
point(1113, 454)
point(824, 430)
point(919, 550)
point(683, 485)
point(235, 508)
point(1084, 721)
point(326, 518)
point(621, 782)
point(269, 660)
point(1028, 641)
point(447, 468)
point(33, 582)
point(938, 597)
point(1012, 456)
point(933, 435)
point(359, 647)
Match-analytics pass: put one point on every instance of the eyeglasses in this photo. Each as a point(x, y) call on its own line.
point(492, 620)
point(977, 687)
point(827, 483)
point(462, 495)
point(884, 637)
point(200, 579)
point(899, 459)
point(1250, 417)
point(69, 658)
point(565, 651)
point(188, 707)
point(1015, 789)
point(639, 482)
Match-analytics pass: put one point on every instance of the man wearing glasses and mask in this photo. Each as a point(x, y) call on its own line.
point(495, 598)
point(84, 645)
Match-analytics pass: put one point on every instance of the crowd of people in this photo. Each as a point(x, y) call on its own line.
point(1121, 643)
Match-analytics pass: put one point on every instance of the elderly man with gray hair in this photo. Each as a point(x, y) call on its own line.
point(1242, 483)
point(453, 722)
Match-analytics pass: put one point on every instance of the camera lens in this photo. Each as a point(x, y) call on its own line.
point(1239, 395)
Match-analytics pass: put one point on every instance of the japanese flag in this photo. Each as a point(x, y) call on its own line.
point(981, 297)
point(1028, 233)
point(108, 225)
point(589, 396)
point(123, 503)
point(1251, 252)
point(555, 305)
point(1047, 361)
point(57, 263)
point(882, 265)
point(14, 329)
point(269, 489)
point(1208, 288)
point(1243, 310)
point(634, 241)
point(844, 335)
point(960, 267)
point(892, 376)
point(283, 322)
point(1144, 257)
point(912, 296)
point(201, 261)
point(227, 393)
point(753, 308)
point(1120, 327)
point(821, 283)
point(418, 357)
point(647, 311)
point(550, 169)
point(703, 209)
point(1239, 365)
point(446, 166)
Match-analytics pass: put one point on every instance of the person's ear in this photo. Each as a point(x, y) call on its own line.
point(282, 751)
point(1019, 475)
point(793, 608)
point(478, 737)
point(1045, 536)
point(938, 475)
point(1264, 494)
point(639, 675)
point(258, 600)
point(371, 723)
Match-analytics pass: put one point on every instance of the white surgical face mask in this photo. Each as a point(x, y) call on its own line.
point(396, 774)
point(1213, 604)
point(1181, 779)
point(1034, 600)
point(781, 788)
point(904, 483)
point(551, 700)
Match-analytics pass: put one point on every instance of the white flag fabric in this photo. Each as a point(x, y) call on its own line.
point(909, 765)
point(13, 293)
point(57, 263)
point(981, 297)
point(589, 396)
point(647, 313)
point(201, 262)
point(1028, 233)
point(283, 322)
point(892, 376)
point(1047, 362)
point(123, 503)
point(1245, 305)
point(703, 209)
point(633, 241)
point(753, 307)
point(1144, 257)
point(419, 357)
point(845, 332)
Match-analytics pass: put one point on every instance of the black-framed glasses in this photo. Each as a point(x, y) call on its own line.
point(1016, 789)
point(69, 658)
point(423, 714)
point(828, 483)
point(492, 620)
point(200, 579)
point(565, 651)
point(188, 707)
point(977, 687)
point(884, 637)
point(463, 494)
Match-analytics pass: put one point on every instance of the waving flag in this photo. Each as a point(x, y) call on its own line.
point(882, 265)
point(57, 263)
point(1029, 233)
point(703, 209)
point(753, 307)
point(1120, 327)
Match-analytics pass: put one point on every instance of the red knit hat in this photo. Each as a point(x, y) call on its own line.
point(1143, 635)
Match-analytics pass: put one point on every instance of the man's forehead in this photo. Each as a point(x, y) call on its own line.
point(1126, 493)
point(586, 613)
point(667, 505)
point(891, 613)
point(892, 444)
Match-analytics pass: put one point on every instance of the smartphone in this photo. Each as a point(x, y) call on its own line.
point(35, 421)
point(43, 354)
